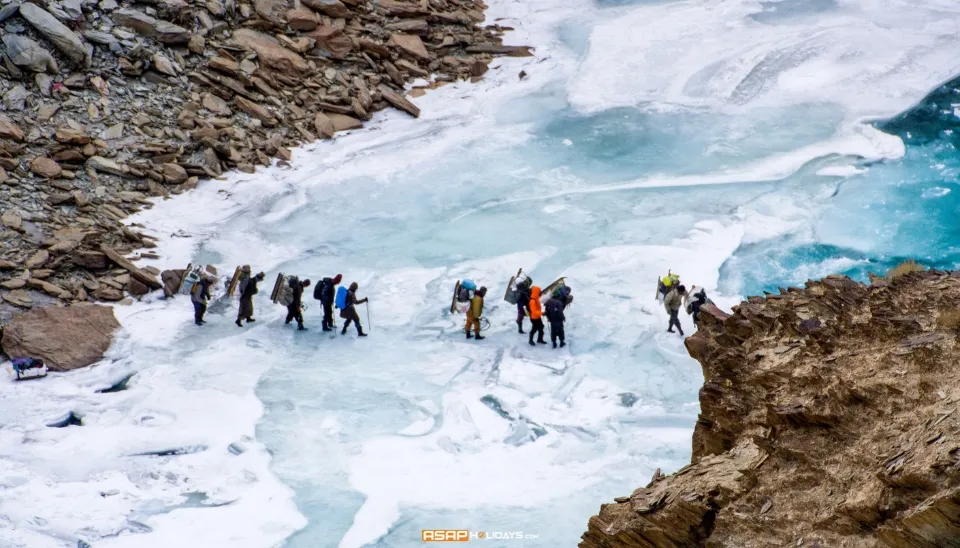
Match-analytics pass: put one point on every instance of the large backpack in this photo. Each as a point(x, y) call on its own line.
point(554, 309)
point(320, 289)
point(341, 300)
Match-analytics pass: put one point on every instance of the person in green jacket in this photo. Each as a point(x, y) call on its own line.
point(475, 312)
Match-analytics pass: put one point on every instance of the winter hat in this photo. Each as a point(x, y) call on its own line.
point(337, 279)
point(245, 268)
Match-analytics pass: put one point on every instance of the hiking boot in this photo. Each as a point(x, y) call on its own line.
point(301, 328)
point(520, 328)
point(344, 331)
point(327, 329)
point(479, 337)
point(681, 333)
point(198, 323)
point(563, 344)
point(238, 323)
point(533, 343)
point(469, 336)
point(361, 334)
point(250, 320)
point(671, 330)
point(541, 341)
point(554, 345)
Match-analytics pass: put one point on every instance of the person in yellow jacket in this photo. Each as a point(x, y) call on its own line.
point(475, 312)
point(536, 316)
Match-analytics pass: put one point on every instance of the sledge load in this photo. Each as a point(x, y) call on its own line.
point(28, 368)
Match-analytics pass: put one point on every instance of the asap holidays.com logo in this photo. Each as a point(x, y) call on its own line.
point(465, 535)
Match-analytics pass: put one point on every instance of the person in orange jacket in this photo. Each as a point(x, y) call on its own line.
point(536, 316)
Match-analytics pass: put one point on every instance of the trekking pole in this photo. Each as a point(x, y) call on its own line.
point(369, 325)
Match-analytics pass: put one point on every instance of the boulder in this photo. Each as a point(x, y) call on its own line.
point(410, 44)
point(400, 102)
point(271, 10)
point(171, 281)
point(301, 19)
point(216, 105)
point(163, 31)
point(330, 8)
point(59, 35)
point(271, 53)
point(331, 42)
point(104, 165)
point(45, 167)
point(65, 338)
point(137, 289)
point(10, 130)
point(324, 125)
point(28, 54)
point(173, 174)
point(342, 122)
point(135, 272)
point(38, 259)
point(92, 260)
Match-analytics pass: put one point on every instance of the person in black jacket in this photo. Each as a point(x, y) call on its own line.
point(200, 296)
point(523, 301)
point(325, 292)
point(554, 313)
point(248, 288)
point(294, 311)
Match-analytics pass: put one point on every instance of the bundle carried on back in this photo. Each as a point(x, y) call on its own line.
point(341, 299)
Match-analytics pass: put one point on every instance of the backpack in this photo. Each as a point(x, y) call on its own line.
point(469, 284)
point(321, 289)
point(464, 295)
point(341, 300)
point(554, 310)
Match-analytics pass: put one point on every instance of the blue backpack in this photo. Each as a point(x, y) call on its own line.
point(341, 300)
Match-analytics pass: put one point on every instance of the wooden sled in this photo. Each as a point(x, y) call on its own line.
point(183, 278)
point(232, 286)
point(453, 301)
point(510, 294)
point(275, 294)
point(545, 294)
point(656, 293)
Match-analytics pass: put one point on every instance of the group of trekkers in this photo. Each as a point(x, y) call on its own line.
point(521, 291)
point(527, 298)
point(673, 295)
point(290, 295)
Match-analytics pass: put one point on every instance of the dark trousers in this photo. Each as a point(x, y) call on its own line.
point(556, 332)
point(294, 313)
point(350, 315)
point(674, 321)
point(246, 308)
point(520, 314)
point(199, 309)
point(537, 329)
point(327, 316)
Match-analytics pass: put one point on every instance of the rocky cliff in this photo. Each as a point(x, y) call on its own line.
point(106, 103)
point(828, 418)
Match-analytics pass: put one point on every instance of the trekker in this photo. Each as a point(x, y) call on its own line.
point(200, 295)
point(536, 316)
point(325, 292)
point(294, 311)
point(556, 318)
point(523, 302)
point(672, 303)
point(248, 288)
point(350, 312)
point(697, 300)
point(475, 312)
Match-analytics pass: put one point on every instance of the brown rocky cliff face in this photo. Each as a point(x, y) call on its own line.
point(828, 418)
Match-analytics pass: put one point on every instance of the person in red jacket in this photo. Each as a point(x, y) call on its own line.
point(536, 316)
